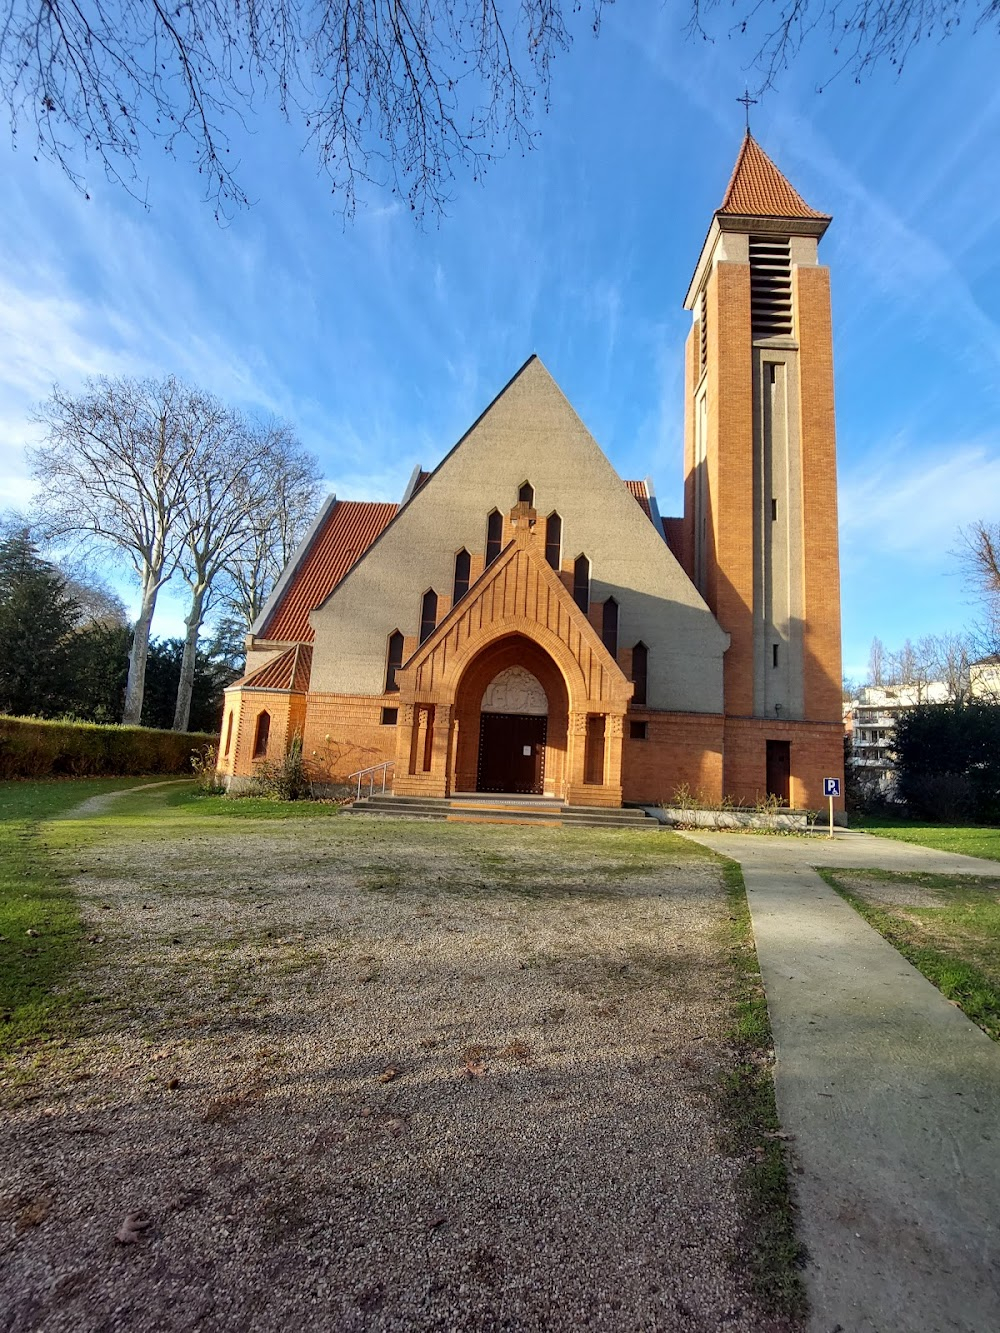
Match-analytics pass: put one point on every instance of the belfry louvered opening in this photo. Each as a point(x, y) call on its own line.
point(703, 331)
point(770, 286)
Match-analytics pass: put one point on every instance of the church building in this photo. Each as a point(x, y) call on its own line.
point(526, 622)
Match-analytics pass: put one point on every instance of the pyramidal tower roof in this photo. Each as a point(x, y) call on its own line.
point(758, 189)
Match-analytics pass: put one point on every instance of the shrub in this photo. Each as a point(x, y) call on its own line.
point(284, 779)
point(30, 748)
point(948, 761)
point(204, 764)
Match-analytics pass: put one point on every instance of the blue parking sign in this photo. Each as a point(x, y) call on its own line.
point(831, 786)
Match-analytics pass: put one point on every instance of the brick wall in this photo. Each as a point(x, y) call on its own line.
point(821, 574)
point(730, 573)
point(817, 752)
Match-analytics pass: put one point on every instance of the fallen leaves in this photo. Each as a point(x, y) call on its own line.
point(387, 1075)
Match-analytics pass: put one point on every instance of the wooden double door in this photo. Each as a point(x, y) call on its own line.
point(511, 753)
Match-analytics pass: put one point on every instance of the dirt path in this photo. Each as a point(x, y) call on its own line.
point(418, 1079)
point(100, 805)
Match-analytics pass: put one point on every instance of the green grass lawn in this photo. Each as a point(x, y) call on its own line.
point(982, 842)
point(947, 926)
point(39, 922)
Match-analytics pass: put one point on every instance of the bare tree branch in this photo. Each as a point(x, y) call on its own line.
point(395, 92)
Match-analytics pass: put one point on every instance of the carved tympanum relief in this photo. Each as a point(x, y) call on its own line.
point(516, 691)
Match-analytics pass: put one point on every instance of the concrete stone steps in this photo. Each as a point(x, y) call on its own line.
point(545, 812)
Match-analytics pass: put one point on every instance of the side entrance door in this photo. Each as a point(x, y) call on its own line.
point(779, 769)
point(511, 753)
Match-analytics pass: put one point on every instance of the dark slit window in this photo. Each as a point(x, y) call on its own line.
point(553, 540)
point(609, 626)
point(229, 734)
point(526, 495)
point(640, 664)
point(394, 661)
point(261, 734)
point(494, 534)
point(581, 583)
point(463, 564)
point(428, 614)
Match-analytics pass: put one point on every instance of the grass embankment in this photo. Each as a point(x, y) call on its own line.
point(776, 1256)
point(967, 839)
point(947, 926)
point(40, 931)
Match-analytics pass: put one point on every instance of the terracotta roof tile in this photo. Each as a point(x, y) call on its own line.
point(349, 530)
point(758, 189)
point(638, 489)
point(288, 671)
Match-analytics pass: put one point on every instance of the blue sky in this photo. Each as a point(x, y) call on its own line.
point(381, 341)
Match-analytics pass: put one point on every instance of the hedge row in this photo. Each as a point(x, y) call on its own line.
point(31, 748)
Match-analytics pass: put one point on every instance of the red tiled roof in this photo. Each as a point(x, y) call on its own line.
point(349, 530)
point(288, 671)
point(638, 489)
point(758, 189)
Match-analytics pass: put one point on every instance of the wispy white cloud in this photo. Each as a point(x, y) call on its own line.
point(912, 503)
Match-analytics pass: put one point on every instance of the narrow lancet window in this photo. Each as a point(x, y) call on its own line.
point(494, 535)
point(428, 614)
point(581, 583)
point(463, 565)
point(553, 540)
point(609, 626)
point(394, 660)
point(261, 734)
point(526, 495)
point(640, 667)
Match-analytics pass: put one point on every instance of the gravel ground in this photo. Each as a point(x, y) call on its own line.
point(393, 1084)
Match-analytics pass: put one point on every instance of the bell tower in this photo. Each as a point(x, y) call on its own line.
point(760, 502)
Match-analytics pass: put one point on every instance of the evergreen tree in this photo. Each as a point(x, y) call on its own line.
point(163, 672)
point(37, 619)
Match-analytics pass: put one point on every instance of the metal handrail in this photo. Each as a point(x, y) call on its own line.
point(369, 773)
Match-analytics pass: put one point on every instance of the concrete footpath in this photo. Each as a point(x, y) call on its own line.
point(891, 1093)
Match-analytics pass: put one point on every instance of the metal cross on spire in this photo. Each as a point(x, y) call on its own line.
point(747, 102)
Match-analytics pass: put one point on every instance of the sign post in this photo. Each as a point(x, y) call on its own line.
point(831, 788)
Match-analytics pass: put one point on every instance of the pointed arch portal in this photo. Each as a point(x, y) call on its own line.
point(512, 713)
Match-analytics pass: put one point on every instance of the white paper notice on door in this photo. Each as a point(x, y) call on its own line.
point(527, 749)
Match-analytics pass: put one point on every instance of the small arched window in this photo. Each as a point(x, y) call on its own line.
point(463, 565)
point(609, 626)
point(260, 736)
point(229, 735)
point(640, 666)
point(494, 535)
point(393, 661)
point(526, 495)
point(553, 540)
point(581, 583)
point(428, 614)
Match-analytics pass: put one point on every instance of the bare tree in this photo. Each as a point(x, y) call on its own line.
point(391, 91)
point(876, 662)
point(861, 33)
point(115, 470)
point(275, 528)
point(980, 555)
point(950, 656)
point(241, 466)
